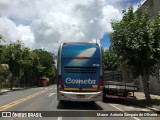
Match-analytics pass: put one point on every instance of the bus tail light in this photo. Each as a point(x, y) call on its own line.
point(100, 86)
point(60, 85)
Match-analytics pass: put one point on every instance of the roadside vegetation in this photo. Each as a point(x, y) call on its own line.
point(22, 67)
point(135, 41)
point(111, 59)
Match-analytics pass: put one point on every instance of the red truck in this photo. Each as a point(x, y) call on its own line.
point(43, 81)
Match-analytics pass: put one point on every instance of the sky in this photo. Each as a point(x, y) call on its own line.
point(45, 24)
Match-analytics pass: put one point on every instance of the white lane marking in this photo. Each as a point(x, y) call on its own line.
point(116, 107)
point(145, 110)
point(123, 111)
point(44, 88)
point(59, 118)
point(51, 94)
point(136, 118)
point(53, 100)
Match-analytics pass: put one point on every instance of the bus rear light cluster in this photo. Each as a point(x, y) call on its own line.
point(63, 95)
point(100, 85)
point(60, 85)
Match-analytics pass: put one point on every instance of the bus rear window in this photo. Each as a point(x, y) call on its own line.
point(75, 51)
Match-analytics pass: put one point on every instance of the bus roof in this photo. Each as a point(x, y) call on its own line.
point(91, 43)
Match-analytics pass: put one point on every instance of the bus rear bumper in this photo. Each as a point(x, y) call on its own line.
point(79, 96)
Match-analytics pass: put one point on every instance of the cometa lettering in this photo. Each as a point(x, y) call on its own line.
point(79, 81)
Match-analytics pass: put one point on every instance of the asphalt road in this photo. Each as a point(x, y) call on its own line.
point(42, 101)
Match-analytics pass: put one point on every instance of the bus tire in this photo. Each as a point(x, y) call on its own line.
point(92, 102)
point(104, 97)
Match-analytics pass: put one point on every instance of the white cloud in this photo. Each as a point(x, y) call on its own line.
point(4, 5)
point(8, 29)
point(47, 23)
point(26, 35)
point(73, 21)
point(12, 33)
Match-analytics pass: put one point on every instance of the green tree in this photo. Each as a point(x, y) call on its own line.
point(137, 42)
point(4, 72)
point(1, 49)
point(27, 66)
point(1, 56)
point(0, 37)
point(45, 63)
point(11, 56)
point(111, 59)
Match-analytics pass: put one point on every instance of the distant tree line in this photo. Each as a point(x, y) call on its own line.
point(25, 66)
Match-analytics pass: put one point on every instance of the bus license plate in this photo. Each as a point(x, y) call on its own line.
point(80, 96)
